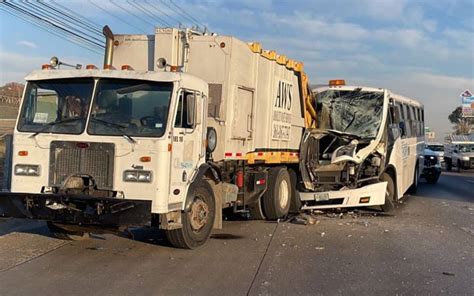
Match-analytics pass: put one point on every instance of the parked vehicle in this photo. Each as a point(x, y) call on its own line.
point(459, 152)
point(438, 149)
point(432, 168)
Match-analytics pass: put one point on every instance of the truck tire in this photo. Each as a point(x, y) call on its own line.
point(295, 202)
point(389, 194)
point(61, 233)
point(276, 200)
point(256, 211)
point(198, 220)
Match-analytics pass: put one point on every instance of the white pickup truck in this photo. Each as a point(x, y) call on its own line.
point(459, 152)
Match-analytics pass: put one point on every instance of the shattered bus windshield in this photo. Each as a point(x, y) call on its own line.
point(350, 111)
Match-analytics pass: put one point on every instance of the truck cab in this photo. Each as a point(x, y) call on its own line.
point(459, 152)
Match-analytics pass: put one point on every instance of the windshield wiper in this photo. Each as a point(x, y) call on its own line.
point(117, 127)
point(53, 123)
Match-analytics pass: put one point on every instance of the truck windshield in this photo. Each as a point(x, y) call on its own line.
point(437, 148)
point(350, 111)
point(56, 106)
point(130, 107)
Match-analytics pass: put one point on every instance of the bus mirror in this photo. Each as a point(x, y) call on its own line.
point(190, 105)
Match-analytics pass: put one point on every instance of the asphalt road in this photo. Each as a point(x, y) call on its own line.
point(425, 247)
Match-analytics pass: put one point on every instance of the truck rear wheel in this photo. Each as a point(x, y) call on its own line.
point(389, 194)
point(277, 198)
point(62, 233)
point(198, 220)
point(256, 211)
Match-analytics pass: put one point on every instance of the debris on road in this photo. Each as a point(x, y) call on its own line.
point(304, 219)
point(448, 273)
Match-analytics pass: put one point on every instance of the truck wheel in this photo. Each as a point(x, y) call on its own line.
point(389, 194)
point(61, 233)
point(432, 179)
point(276, 200)
point(295, 202)
point(449, 165)
point(414, 187)
point(256, 210)
point(198, 220)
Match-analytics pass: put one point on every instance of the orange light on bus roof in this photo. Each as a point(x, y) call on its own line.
point(174, 68)
point(337, 82)
point(91, 67)
point(46, 67)
point(145, 159)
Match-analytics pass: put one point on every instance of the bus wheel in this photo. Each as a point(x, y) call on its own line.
point(389, 193)
point(61, 233)
point(276, 200)
point(198, 220)
point(256, 211)
point(414, 186)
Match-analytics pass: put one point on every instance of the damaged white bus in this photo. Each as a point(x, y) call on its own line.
point(366, 150)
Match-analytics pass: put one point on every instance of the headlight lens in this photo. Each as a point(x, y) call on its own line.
point(137, 176)
point(27, 170)
point(465, 158)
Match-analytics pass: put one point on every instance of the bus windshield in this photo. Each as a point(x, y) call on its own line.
point(350, 111)
point(56, 106)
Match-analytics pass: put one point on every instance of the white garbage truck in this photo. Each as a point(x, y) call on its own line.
point(173, 128)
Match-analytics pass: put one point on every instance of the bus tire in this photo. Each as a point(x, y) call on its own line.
point(197, 220)
point(389, 194)
point(414, 187)
point(61, 233)
point(256, 211)
point(276, 200)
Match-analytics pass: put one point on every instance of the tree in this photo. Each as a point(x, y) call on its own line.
point(456, 115)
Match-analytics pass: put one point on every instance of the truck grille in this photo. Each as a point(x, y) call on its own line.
point(70, 158)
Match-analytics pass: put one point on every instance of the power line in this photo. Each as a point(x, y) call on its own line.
point(54, 17)
point(91, 28)
point(133, 14)
point(40, 25)
point(142, 9)
point(187, 14)
point(91, 23)
point(162, 12)
point(177, 11)
point(23, 11)
point(116, 17)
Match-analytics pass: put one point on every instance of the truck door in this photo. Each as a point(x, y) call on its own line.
point(187, 145)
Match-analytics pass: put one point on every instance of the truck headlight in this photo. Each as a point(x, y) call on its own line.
point(466, 158)
point(27, 170)
point(137, 176)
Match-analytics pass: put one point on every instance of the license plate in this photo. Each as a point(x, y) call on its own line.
point(321, 196)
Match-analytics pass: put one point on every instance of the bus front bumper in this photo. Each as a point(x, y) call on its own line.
point(76, 209)
point(370, 195)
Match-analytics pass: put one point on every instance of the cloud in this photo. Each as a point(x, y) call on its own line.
point(28, 44)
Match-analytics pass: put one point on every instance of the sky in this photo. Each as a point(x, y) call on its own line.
point(422, 49)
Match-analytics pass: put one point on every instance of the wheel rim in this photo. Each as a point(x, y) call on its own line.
point(199, 214)
point(283, 193)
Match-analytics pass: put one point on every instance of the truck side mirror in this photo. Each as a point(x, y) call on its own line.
point(190, 109)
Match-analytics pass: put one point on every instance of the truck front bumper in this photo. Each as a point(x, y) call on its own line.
point(370, 195)
point(80, 210)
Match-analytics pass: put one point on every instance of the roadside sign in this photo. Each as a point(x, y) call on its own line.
point(467, 101)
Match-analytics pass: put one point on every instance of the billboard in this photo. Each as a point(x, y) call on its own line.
point(467, 101)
